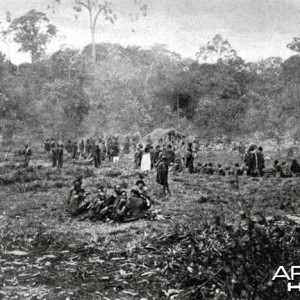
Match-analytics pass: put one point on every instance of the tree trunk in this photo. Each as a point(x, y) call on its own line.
point(93, 45)
point(178, 115)
point(32, 57)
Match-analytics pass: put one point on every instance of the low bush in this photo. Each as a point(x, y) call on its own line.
point(223, 262)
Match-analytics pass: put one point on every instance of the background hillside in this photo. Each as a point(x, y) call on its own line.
point(132, 89)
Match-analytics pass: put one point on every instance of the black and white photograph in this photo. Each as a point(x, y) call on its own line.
point(149, 149)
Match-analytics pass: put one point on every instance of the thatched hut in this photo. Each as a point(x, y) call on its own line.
point(163, 136)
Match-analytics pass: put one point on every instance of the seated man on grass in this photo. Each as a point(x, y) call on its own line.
point(77, 201)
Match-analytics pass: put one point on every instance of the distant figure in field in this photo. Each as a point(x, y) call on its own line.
point(152, 156)
point(47, 145)
point(52, 144)
point(81, 149)
point(170, 154)
point(208, 169)
point(295, 167)
point(182, 151)
point(178, 167)
point(238, 170)
point(127, 145)
point(242, 150)
point(156, 155)
point(196, 146)
point(189, 161)
point(146, 160)
point(88, 146)
point(115, 150)
point(27, 155)
point(138, 156)
point(109, 146)
point(254, 161)
point(162, 175)
point(74, 150)
point(103, 150)
point(221, 171)
point(285, 171)
point(53, 153)
point(260, 161)
point(97, 156)
point(276, 167)
point(198, 168)
point(69, 146)
point(60, 154)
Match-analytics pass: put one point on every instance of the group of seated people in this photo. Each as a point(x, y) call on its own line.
point(284, 170)
point(210, 169)
point(116, 204)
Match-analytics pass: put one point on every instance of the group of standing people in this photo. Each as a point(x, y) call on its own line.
point(90, 150)
point(56, 150)
point(255, 163)
point(163, 158)
point(146, 158)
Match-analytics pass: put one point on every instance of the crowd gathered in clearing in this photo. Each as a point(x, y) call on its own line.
point(170, 154)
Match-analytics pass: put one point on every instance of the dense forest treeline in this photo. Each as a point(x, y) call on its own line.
point(130, 89)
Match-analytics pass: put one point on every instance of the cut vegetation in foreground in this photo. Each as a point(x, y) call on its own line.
point(195, 248)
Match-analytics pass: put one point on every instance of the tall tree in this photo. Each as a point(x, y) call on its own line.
point(32, 31)
point(97, 8)
point(294, 45)
point(217, 49)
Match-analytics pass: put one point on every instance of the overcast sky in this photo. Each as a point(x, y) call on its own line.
point(255, 28)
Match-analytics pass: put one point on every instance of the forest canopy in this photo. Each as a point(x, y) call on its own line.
point(129, 89)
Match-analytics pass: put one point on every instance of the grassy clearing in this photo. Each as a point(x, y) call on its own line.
point(44, 254)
